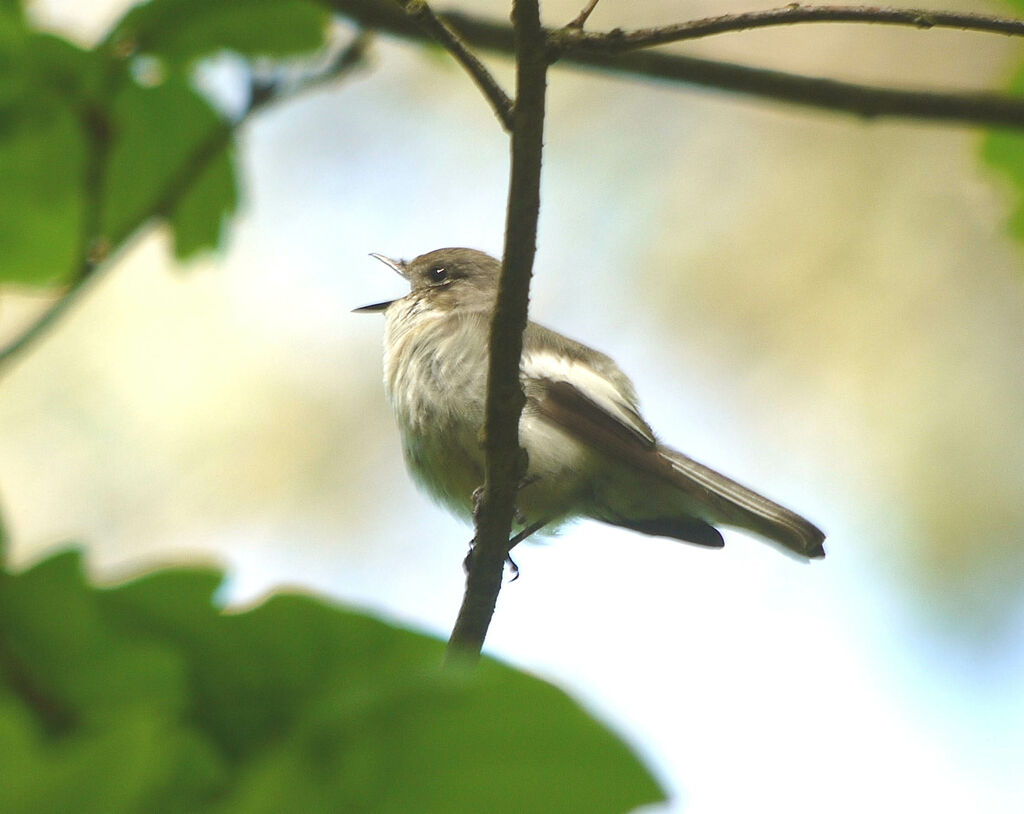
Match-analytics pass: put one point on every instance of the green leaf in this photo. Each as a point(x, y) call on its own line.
point(169, 152)
point(146, 698)
point(111, 769)
point(1003, 150)
point(42, 161)
point(12, 9)
point(80, 668)
point(182, 31)
point(43, 154)
point(199, 218)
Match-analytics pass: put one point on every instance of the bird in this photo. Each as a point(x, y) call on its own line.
point(589, 451)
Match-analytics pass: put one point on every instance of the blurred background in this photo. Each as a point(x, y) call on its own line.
point(826, 309)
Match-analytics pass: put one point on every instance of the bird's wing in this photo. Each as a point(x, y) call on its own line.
point(580, 385)
point(587, 396)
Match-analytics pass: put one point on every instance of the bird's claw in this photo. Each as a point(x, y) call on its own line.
point(520, 518)
point(512, 567)
point(467, 563)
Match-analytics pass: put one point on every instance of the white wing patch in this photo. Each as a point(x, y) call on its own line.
point(546, 365)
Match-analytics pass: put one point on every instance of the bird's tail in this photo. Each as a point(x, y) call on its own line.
point(735, 505)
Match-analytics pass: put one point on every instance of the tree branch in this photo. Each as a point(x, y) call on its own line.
point(865, 101)
point(505, 461)
point(447, 37)
point(42, 324)
point(977, 109)
point(95, 250)
point(617, 41)
point(580, 19)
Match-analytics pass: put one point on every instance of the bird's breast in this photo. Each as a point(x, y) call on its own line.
point(435, 370)
point(435, 374)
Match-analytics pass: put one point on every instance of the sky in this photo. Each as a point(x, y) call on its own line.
point(822, 308)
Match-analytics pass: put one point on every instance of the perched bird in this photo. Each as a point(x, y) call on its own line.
point(590, 452)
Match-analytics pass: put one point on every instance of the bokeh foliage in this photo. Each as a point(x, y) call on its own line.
point(1004, 151)
point(146, 697)
point(94, 143)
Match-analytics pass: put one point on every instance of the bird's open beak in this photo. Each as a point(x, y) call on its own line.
point(370, 309)
point(397, 266)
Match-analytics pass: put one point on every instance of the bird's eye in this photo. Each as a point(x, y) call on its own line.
point(438, 274)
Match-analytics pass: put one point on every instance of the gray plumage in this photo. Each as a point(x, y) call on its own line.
point(591, 453)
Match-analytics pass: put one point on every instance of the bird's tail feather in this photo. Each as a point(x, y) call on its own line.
point(736, 505)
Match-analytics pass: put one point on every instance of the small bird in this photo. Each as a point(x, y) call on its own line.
point(590, 453)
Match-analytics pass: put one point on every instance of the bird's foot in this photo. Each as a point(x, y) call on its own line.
point(520, 518)
point(467, 563)
point(512, 567)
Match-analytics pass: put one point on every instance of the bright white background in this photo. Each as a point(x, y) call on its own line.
point(819, 307)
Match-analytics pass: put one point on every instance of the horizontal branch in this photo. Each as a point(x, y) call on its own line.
point(976, 109)
point(617, 41)
point(866, 101)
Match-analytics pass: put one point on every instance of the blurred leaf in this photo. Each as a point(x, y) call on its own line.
point(43, 147)
point(146, 698)
point(84, 669)
point(181, 31)
point(170, 150)
point(117, 768)
point(12, 10)
point(40, 70)
point(42, 161)
point(1004, 150)
point(14, 52)
point(168, 142)
point(198, 219)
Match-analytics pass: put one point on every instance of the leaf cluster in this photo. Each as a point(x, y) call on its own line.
point(145, 697)
point(96, 142)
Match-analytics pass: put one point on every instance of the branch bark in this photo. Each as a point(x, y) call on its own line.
point(505, 461)
point(615, 42)
point(864, 101)
point(450, 40)
point(975, 109)
point(580, 19)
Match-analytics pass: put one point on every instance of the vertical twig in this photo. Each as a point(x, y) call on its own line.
point(505, 460)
